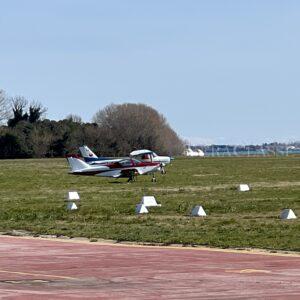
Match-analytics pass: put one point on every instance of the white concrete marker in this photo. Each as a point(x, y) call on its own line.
point(141, 209)
point(244, 188)
point(287, 214)
point(198, 211)
point(71, 206)
point(71, 196)
point(149, 201)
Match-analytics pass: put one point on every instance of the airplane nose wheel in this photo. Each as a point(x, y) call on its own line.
point(162, 170)
point(153, 178)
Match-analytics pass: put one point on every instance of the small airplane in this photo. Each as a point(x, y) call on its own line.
point(124, 168)
point(143, 155)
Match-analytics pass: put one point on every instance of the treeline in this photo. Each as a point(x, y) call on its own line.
point(116, 130)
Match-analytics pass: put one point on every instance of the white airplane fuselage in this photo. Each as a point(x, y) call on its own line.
point(118, 169)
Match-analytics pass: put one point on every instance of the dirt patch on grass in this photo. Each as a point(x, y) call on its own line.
point(204, 175)
point(285, 167)
point(187, 188)
point(280, 184)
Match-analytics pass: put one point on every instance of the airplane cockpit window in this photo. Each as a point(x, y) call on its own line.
point(146, 156)
point(136, 161)
point(126, 163)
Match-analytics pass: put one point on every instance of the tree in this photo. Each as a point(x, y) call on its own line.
point(129, 126)
point(19, 106)
point(117, 130)
point(36, 111)
point(10, 146)
point(74, 118)
point(4, 108)
point(58, 146)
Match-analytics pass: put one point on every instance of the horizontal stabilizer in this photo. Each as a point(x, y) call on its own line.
point(77, 164)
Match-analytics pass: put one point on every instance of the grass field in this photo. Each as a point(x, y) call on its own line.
point(32, 194)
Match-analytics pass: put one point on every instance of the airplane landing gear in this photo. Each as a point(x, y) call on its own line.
point(131, 177)
point(153, 178)
point(162, 170)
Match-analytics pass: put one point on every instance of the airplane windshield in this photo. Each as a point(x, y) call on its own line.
point(136, 161)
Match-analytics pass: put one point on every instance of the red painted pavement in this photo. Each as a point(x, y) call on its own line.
point(48, 269)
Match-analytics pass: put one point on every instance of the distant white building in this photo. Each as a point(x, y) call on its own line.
point(190, 152)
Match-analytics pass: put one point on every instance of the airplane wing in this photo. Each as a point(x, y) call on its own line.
point(139, 152)
point(110, 173)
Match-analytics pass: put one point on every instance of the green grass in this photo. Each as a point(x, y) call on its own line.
point(32, 194)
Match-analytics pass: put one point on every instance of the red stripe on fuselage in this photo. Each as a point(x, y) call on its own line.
point(117, 165)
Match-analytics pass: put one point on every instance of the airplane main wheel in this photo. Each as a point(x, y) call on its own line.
point(162, 169)
point(153, 179)
point(131, 177)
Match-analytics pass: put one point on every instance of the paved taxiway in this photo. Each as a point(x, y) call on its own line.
point(33, 268)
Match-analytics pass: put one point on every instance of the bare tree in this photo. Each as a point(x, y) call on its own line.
point(4, 107)
point(40, 139)
point(129, 126)
point(74, 118)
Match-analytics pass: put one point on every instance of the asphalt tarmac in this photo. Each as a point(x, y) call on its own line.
point(35, 268)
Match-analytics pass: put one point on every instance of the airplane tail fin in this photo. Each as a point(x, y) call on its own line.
point(86, 152)
point(77, 164)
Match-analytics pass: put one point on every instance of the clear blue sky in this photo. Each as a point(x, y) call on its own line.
point(220, 71)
